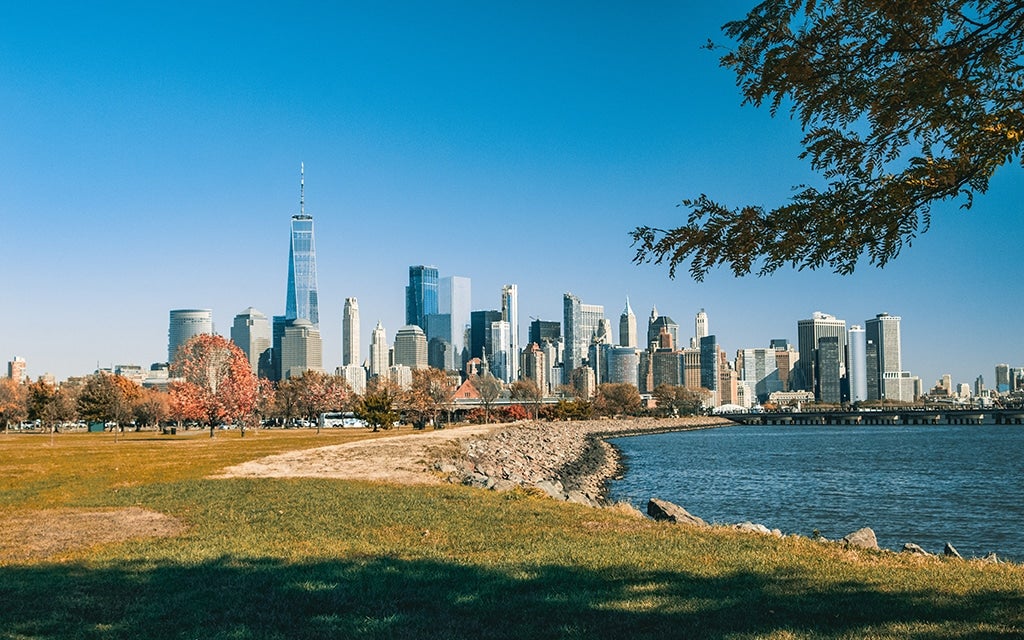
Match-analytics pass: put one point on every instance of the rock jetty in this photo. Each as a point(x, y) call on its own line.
point(567, 460)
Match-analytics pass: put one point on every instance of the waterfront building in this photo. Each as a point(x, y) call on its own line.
point(185, 324)
point(856, 365)
point(581, 322)
point(411, 347)
point(623, 365)
point(354, 375)
point(510, 314)
point(657, 324)
point(883, 331)
point(301, 349)
point(421, 295)
point(251, 332)
point(379, 351)
point(350, 333)
point(545, 330)
point(809, 332)
point(16, 368)
point(454, 298)
point(785, 360)
point(758, 369)
point(828, 370)
point(302, 302)
point(627, 327)
point(901, 386)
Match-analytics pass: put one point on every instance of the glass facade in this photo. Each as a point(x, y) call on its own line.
point(421, 295)
point(302, 291)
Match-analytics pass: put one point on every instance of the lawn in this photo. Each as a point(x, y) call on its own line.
point(317, 558)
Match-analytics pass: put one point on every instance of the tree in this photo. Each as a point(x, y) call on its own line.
point(317, 392)
point(150, 407)
point(214, 381)
point(527, 391)
point(431, 393)
point(903, 105)
point(13, 402)
point(102, 399)
point(617, 398)
point(377, 406)
point(489, 388)
point(674, 400)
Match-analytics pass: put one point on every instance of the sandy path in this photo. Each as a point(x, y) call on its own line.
point(400, 459)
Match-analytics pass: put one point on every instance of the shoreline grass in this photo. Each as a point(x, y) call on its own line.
point(314, 558)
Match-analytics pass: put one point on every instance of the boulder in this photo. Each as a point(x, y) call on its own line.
point(991, 558)
point(912, 548)
point(951, 552)
point(751, 527)
point(665, 510)
point(862, 539)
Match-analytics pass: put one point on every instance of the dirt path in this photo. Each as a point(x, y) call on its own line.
point(401, 459)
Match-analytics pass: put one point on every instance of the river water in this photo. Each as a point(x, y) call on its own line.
point(924, 484)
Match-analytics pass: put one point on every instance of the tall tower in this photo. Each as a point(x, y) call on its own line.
point(183, 325)
point(856, 367)
point(251, 332)
point(378, 351)
point(411, 347)
point(350, 333)
point(581, 322)
point(884, 332)
point(809, 333)
point(421, 295)
point(700, 325)
point(627, 327)
point(454, 299)
point(510, 314)
point(302, 300)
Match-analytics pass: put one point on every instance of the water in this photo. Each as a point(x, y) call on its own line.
point(924, 484)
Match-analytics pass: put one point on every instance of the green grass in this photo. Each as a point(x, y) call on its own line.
point(309, 558)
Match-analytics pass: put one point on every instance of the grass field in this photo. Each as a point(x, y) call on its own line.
point(314, 558)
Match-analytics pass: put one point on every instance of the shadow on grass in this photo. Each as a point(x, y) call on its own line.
point(387, 598)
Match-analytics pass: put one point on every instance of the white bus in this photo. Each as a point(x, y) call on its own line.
point(340, 419)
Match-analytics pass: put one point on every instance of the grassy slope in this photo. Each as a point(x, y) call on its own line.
point(323, 558)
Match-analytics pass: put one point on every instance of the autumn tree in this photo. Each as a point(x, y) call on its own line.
point(316, 392)
point(617, 398)
point(13, 402)
point(432, 392)
point(102, 399)
point(51, 405)
point(674, 400)
point(150, 407)
point(902, 104)
point(527, 392)
point(213, 379)
point(490, 389)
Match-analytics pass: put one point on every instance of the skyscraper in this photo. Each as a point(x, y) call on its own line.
point(884, 332)
point(302, 300)
point(16, 369)
point(350, 333)
point(857, 365)
point(809, 333)
point(829, 370)
point(251, 332)
point(378, 351)
point(581, 322)
point(656, 324)
point(700, 325)
point(183, 325)
point(480, 332)
point(421, 295)
point(627, 327)
point(301, 349)
point(455, 299)
point(710, 364)
point(510, 314)
point(411, 347)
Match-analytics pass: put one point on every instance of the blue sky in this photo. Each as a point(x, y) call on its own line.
point(151, 155)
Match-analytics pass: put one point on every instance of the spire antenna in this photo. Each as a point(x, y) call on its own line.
point(302, 188)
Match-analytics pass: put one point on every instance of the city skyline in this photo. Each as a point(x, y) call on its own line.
point(145, 177)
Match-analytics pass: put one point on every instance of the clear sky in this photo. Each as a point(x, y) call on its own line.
point(150, 161)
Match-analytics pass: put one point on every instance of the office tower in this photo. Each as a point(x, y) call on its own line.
point(184, 324)
point(809, 332)
point(691, 368)
point(251, 332)
point(627, 327)
point(454, 299)
point(779, 344)
point(583, 382)
point(301, 349)
point(700, 325)
point(553, 364)
point(411, 347)
point(480, 332)
point(623, 365)
point(350, 333)
point(535, 367)
point(1002, 378)
point(597, 359)
point(666, 368)
point(440, 354)
point(829, 370)
point(355, 376)
point(510, 314)
point(277, 325)
point(883, 331)
point(302, 300)
point(857, 365)
point(727, 382)
point(709, 366)
point(400, 375)
point(378, 351)
point(545, 331)
point(16, 369)
point(785, 360)
point(659, 322)
point(759, 370)
point(500, 356)
point(421, 295)
point(979, 386)
point(581, 322)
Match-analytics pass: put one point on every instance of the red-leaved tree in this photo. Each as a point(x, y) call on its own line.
point(213, 382)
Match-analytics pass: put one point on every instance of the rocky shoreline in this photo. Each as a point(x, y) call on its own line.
point(569, 461)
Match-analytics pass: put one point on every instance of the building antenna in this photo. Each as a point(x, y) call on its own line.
point(302, 188)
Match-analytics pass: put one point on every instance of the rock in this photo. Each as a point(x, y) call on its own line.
point(665, 510)
point(912, 548)
point(991, 558)
point(862, 539)
point(578, 497)
point(951, 552)
point(778, 533)
point(750, 527)
point(553, 489)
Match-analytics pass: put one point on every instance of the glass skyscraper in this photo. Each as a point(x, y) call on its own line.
point(421, 295)
point(302, 296)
